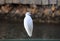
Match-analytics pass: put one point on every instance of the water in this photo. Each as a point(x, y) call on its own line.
point(15, 30)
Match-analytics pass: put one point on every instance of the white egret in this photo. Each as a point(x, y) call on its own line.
point(28, 24)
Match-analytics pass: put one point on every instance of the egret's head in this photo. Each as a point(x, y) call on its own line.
point(28, 13)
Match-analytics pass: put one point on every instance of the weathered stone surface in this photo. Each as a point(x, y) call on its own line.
point(37, 2)
point(52, 1)
point(2, 1)
point(58, 2)
point(9, 1)
point(16, 1)
point(44, 2)
point(30, 1)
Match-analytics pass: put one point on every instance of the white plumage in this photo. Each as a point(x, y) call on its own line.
point(28, 24)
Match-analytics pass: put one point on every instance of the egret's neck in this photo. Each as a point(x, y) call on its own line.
point(27, 15)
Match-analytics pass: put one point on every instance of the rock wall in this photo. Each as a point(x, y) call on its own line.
point(38, 2)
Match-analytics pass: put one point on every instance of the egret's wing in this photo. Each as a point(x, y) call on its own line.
point(28, 24)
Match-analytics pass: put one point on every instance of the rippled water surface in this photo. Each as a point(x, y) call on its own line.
point(12, 30)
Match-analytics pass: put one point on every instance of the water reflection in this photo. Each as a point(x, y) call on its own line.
point(10, 30)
